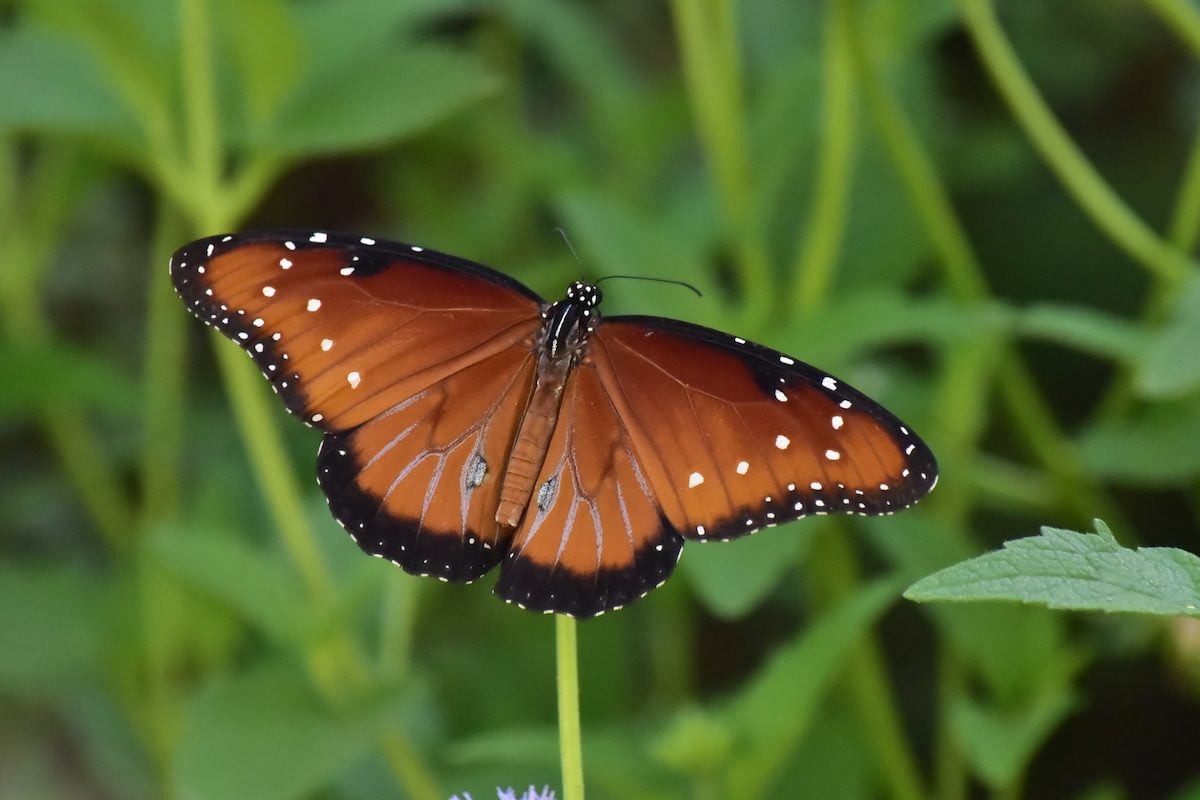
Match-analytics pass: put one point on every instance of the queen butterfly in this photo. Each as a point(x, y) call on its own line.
point(468, 423)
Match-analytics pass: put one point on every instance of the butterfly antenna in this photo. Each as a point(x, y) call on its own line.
point(684, 284)
point(570, 247)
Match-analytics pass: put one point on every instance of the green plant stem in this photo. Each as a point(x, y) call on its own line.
point(200, 105)
point(1078, 176)
point(834, 571)
point(337, 663)
point(707, 34)
point(950, 774)
point(31, 217)
point(165, 396)
point(1185, 218)
point(965, 278)
point(817, 253)
point(570, 740)
point(1181, 17)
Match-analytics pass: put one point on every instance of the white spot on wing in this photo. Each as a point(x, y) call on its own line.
point(694, 480)
point(780, 396)
point(313, 304)
point(837, 422)
point(832, 455)
point(354, 379)
point(743, 467)
point(268, 291)
point(782, 442)
point(829, 383)
point(326, 344)
point(786, 360)
point(319, 238)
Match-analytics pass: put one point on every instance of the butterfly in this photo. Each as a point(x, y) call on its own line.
point(469, 424)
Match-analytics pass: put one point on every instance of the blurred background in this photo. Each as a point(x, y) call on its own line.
point(980, 214)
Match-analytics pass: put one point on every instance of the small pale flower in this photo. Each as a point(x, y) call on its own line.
point(511, 794)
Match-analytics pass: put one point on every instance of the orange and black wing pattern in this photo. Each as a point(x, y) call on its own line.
point(594, 537)
point(734, 436)
point(416, 364)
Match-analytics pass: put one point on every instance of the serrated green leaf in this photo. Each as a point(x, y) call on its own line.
point(1171, 365)
point(1065, 569)
point(999, 744)
point(265, 734)
point(732, 579)
point(1025, 650)
point(255, 583)
point(380, 99)
point(1145, 446)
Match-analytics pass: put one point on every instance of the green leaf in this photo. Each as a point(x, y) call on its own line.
point(53, 632)
point(1025, 652)
point(1144, 448)
point(878, 317)
point(1086, 330)
point(1064, 569)
point(41, 376)
point(731, 579)
point(256, 583)
point(1000, 745)
point(1171, 365)
point(49, 85)
point(773, 712)
point(265, 734)
point(382, 98)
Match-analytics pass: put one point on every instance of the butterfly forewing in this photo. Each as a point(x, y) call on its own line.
point(347, 327)
point(737, 437)
point(594, 537)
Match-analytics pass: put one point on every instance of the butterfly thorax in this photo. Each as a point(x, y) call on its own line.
point(560, 346)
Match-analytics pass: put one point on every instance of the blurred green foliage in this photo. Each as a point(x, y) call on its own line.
point(981, 214)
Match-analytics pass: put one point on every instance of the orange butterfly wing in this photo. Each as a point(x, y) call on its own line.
point(417, 364)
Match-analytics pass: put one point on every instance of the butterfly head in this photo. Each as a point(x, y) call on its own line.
point(571, 320)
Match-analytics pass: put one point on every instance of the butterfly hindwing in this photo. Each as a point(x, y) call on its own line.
point(419, 484)
point(594, 537)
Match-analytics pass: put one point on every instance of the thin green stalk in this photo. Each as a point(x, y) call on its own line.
point(1185, 218)
point(965, 278)
point(258, 422)
point(950, 774)
point(200, 105)
point(1095, 197)
point(164, 380)
point(817, 253)
point(834, 571)
point(337, 664)
point(396, 627)
point(1181, 17)
point(570, 739)
point(707, 34)
point(31, 217)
